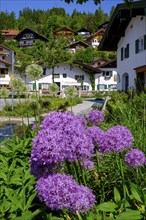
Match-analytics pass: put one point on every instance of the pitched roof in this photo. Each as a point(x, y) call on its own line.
point(10, 32)
point(6, 47)
point(101, 31)
point(88, 67)
point(64, 29)
point(5, 62)
point(83, 29)
point(76, 43)
point(103, 25)
point(100, 59)
point(26, 30)
point(119, 21)
point(110, 64)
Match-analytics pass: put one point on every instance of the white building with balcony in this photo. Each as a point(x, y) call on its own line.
point(126, 34)
point(6, 65)
point(63, 75)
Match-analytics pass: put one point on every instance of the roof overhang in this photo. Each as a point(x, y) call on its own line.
point(119, 21)
point(140, 69)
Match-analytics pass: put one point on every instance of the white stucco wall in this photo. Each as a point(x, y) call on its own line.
point(110, 83)
point(70, 80)
point(135, 30)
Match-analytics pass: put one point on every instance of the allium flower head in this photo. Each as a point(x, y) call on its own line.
point(96, 116)
point(60, 120)
point(115, 139)
point(34, 71)
point(135, 158)
point(63, 138)
point(62, 192)
point(95, 133)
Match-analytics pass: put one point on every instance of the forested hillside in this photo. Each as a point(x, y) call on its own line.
point(45, 23)
point(50, 20)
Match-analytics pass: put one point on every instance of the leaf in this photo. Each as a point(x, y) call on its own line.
point(133, 215)
point(5, 206)
point(117, 196)
point(3, 176)
point(27, 215)
point(107, 206)
point(30, 199)
point(137, 192)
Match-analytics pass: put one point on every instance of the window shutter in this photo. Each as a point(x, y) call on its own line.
point(105, 86)
point(144, 42)
point(34, 86)
point(136, 46)
point(97, 87)
point(127, 51)
point(40, 86)
point(122, 53)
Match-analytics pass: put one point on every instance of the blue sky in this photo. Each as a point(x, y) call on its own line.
point(17, 5)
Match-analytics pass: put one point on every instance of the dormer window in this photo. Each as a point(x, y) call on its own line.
point(107, 73)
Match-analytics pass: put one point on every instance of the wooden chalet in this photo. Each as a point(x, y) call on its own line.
point(27, 38)
point(66, 32)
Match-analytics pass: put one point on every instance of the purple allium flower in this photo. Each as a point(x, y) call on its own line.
point(95, 133)
point(96, 116)
point(115, 139)
point(58, 142)
point(57, 120)
point(62, 192)
point(135, 158)
point(88, 164)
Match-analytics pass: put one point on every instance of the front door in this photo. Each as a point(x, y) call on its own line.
point(140, 81)
point(125, 82)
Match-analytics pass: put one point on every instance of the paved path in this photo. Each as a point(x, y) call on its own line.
point(80, 109)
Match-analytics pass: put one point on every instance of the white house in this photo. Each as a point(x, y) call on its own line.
point(106, 79)
point(126, 34)
point(103, 72)
point(64, 75)
point(94, 39)
point(6, 65)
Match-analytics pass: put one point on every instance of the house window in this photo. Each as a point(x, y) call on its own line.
point(64, 75)
point(101, 87)
point(140, 44)
point(1, 49)
point(125, 52)
point(112, 86)
point(3, 57)
point(45, 86)
point(24, 42)
point(107, 73)
point(78, 77)
point(56, 75)
point(44, 71)
point(2, 71)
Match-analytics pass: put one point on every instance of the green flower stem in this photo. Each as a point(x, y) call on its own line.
point(71, 169)
point(82, 172)
point(121, 170)
point(79, 216)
